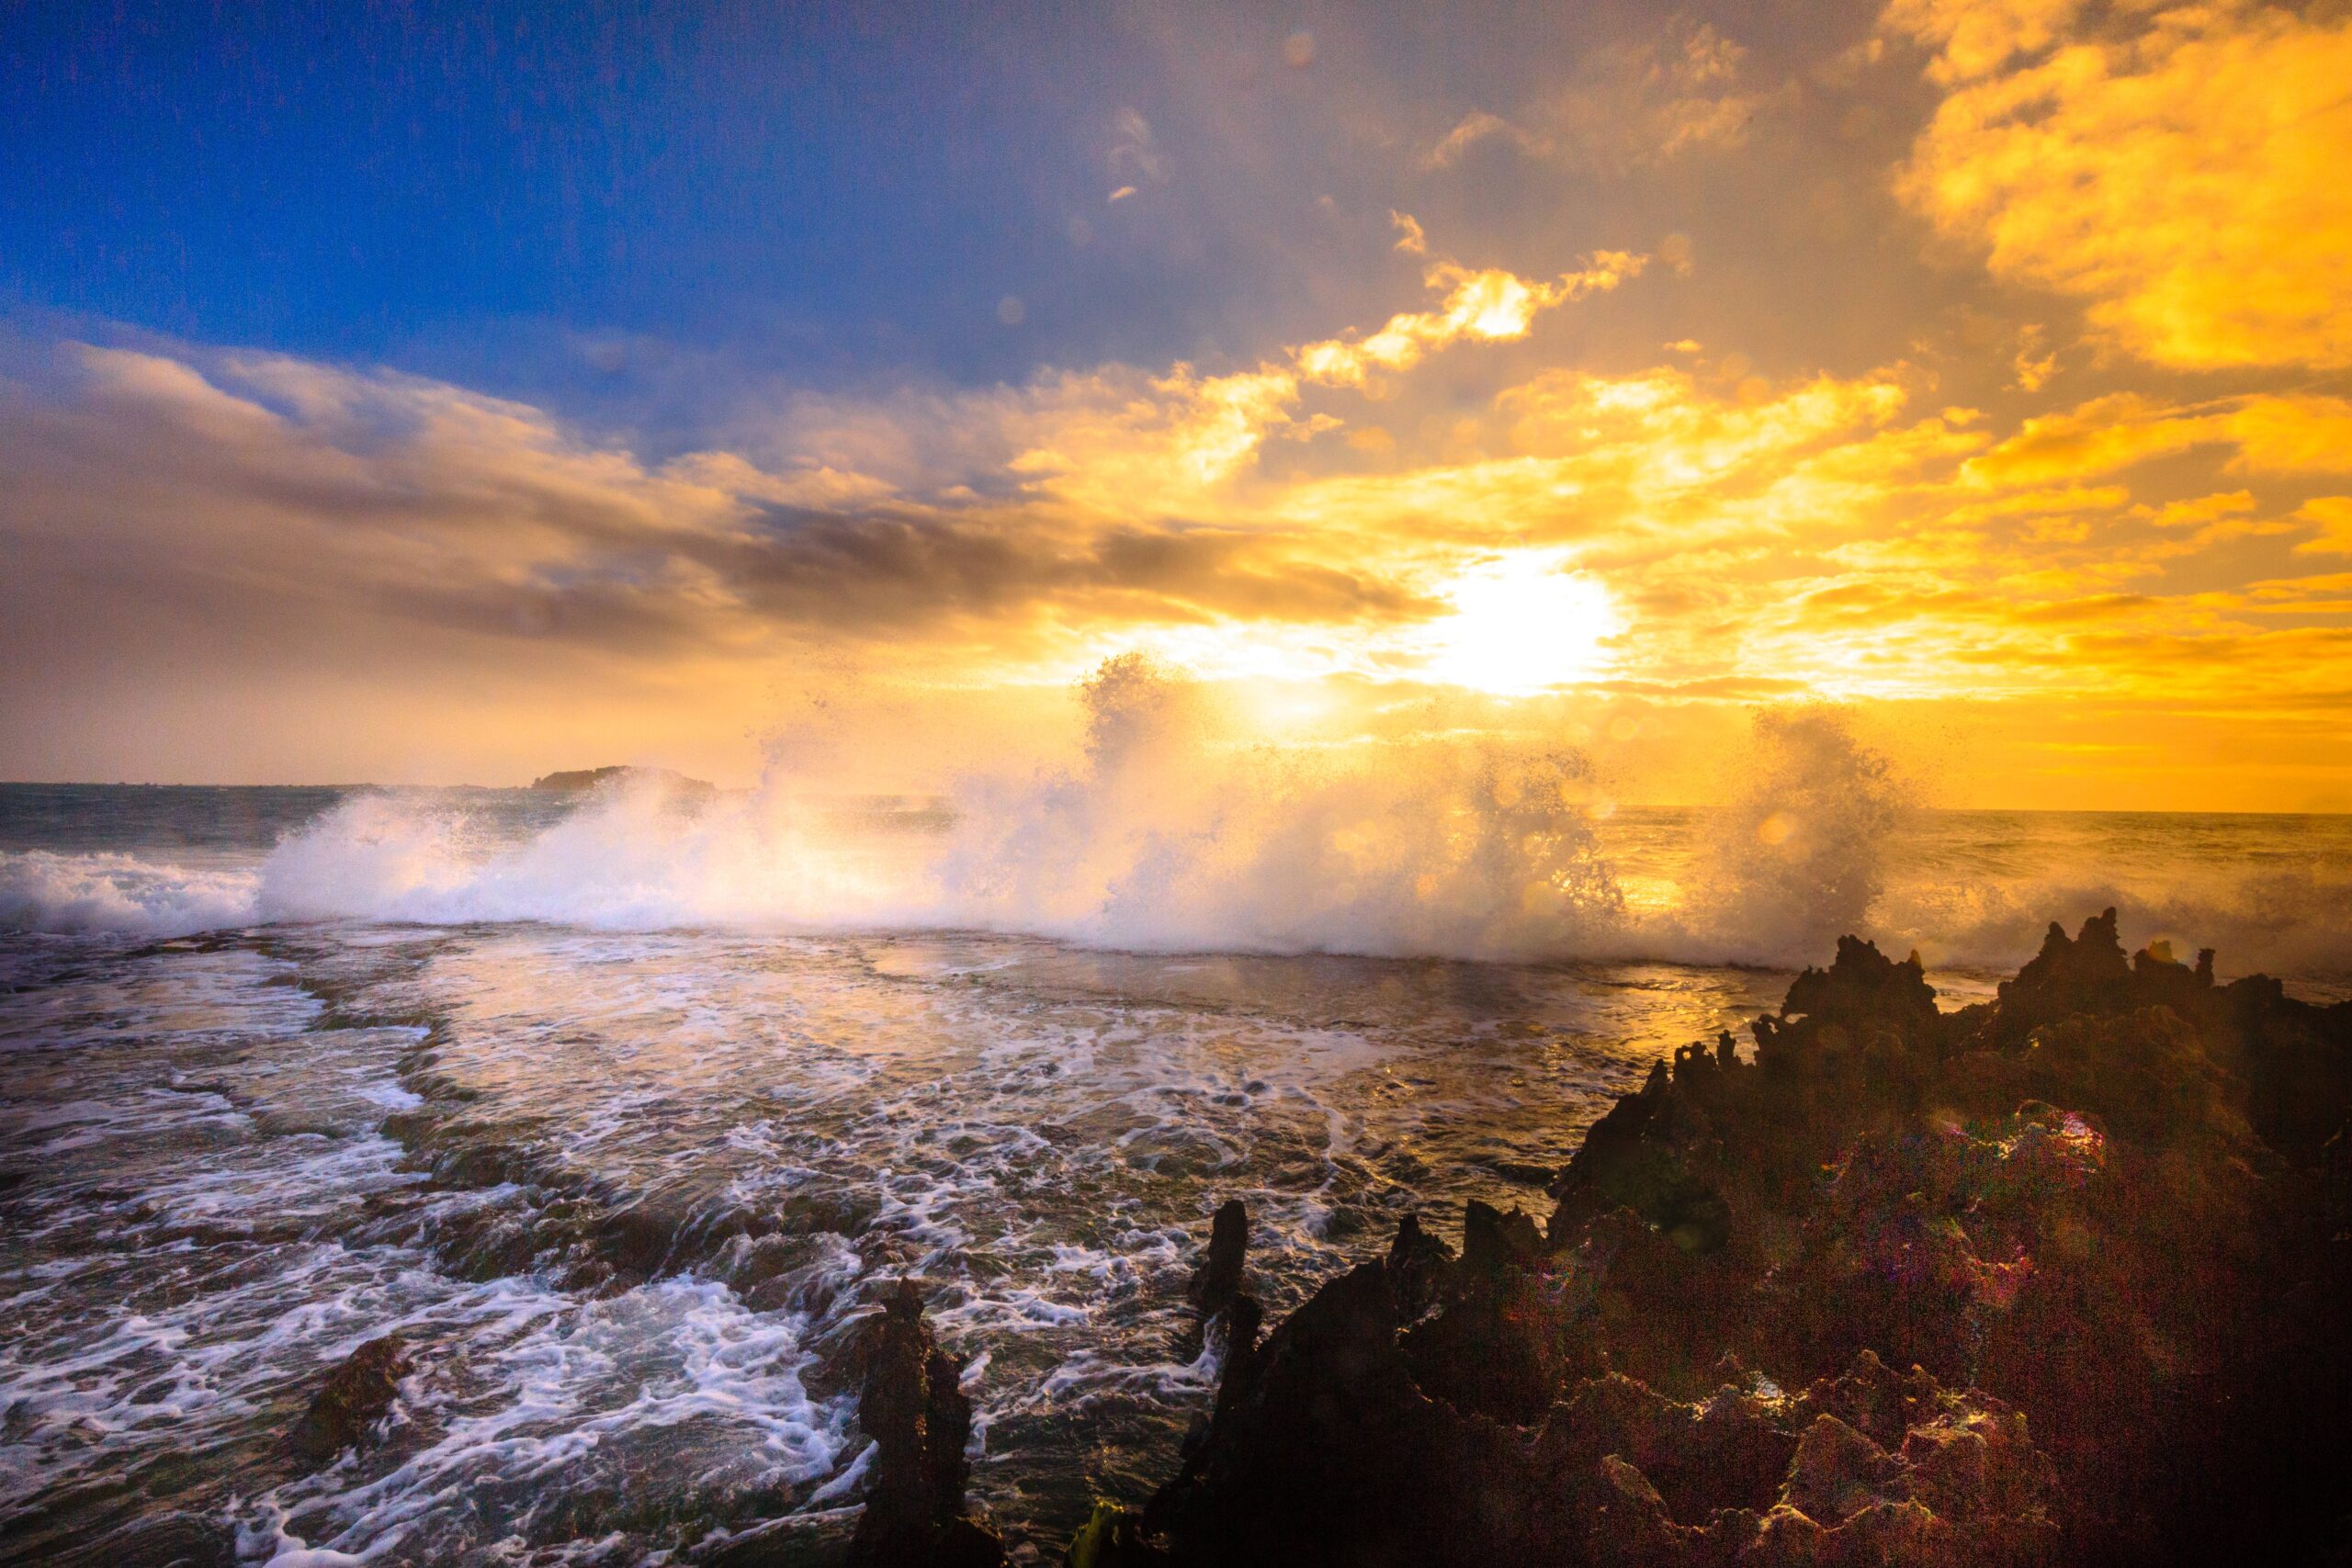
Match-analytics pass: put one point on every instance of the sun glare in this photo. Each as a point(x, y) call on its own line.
point(1521, 625)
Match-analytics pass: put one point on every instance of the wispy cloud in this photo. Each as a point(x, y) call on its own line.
point(1629, 105)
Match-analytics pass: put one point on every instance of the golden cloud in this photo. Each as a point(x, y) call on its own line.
point(2272, 434)
point(2183, 176)
point(2334, 515)
point(1705, 532)
point(1489, 305)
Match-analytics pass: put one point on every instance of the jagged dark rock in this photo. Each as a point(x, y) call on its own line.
point(1420, 1267)
point(1219, 1278)
point(2105, 1220)
point(1863, 988)
point(349, 1403)
point(913, 1407)
point(1494, 1241)
point(1333, 1454)
point(1501, 1346)
point(1243, 1321)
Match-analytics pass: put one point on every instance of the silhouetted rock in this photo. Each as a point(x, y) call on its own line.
point(2085, 970)
point(1494, 1241)
point(1503, 1342)
point(1334, 1455)
point(1243, 1320)
point(1419, 1269)
point(2106, 1220)
point(354, 1397)
point(1219, 1278)
point(913, 1407)
point(1863, 988)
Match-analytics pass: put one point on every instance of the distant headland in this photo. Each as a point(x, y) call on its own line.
point(576, 780)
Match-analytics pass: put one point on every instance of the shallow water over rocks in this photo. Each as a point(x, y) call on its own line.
point(623, 1196)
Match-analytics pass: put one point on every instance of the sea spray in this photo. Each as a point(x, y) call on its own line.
point(1445, 846)
point(1798, 854)
point(45, 891)
point(1170, 831)
point(1167, 832)
point(1162, 819)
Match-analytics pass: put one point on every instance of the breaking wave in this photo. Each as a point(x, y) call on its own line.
point(1166, 835)
point(46, 891)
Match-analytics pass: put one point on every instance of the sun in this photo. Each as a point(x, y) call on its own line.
point(1520, 624)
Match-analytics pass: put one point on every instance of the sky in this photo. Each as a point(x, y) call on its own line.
point(414, 393)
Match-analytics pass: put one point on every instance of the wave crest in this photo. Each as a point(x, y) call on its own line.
point(74, 894)
point(1165, 834)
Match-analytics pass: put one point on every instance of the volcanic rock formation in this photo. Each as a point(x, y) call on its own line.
point(912, 1404)
point(2101, 1220)
point(1219, 1278)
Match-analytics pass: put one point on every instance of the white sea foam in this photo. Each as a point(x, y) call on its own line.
point(244, 1252)
point(561, 1403)
point(773, 1128)
point(1164, 837)
point(1167, 836)
point(41, 890)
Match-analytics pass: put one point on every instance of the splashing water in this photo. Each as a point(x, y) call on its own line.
point(1799, 856)
point(1167, 832)
point(619, 1107)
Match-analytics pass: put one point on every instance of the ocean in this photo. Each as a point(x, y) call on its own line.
point(617, 1106)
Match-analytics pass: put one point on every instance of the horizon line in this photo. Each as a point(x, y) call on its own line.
point(871, 794)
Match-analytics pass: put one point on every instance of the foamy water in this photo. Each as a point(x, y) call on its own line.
point(1485, 856)
point(618, 1108)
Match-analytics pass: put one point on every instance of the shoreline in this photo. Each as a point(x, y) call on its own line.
point(2133, 1276)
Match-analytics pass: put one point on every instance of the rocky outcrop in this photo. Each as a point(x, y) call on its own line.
point(1217, 1281)
point(578, 781)
point(1868, 1468)
point(1420, 1269)
point(912, 1406)
point(354, 1396)
point(2096, 1219)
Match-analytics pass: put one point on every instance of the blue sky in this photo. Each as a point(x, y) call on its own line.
point(580, 203)
point(800, 184)
point(525, 380)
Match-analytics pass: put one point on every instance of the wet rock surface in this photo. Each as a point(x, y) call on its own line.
point(175, 1541)
point(912, 1406)
point(354, 1397)
point(1219, 1278)
point(2057, 1279)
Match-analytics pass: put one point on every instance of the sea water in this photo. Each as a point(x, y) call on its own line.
point(618, 1108)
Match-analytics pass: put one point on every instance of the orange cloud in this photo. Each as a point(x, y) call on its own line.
point(1711, 532)
point(2272, 434)
point(2184, 176)
point(1974, 38)
point(2334, 515)
point(1491, 305)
